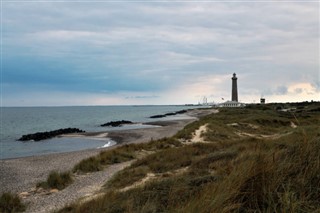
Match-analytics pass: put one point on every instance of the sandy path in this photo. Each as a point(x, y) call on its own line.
point(197, 138)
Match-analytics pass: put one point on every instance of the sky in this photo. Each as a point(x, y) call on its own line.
point(62, 53)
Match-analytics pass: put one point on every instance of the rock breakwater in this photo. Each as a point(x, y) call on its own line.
point(116, 123)
point(169, 114)
point(46, 135)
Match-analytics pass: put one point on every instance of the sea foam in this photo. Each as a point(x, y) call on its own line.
point(108, 144)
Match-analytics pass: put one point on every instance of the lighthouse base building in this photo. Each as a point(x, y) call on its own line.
point(231, 104)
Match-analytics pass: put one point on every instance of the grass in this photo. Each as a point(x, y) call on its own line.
point(230, 173)
point(135, 174)
point(261, 182)
point(56, 180)
point(91, 164)
point(104, 158)
point(122, 154)
point(174, 158)
point(10, 203)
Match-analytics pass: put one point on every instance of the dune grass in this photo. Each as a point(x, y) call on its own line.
point(229, 173)
point(56, 180)
point(97, 163)
point(122, 154)
point(11, 203)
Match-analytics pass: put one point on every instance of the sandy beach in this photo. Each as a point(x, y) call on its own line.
point(22, 174)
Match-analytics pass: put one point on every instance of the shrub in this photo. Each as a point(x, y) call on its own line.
point(91, 164)
point(128, 177)
point(115, 156)
point(122, 154)
point(57, 180)
point(96, 163)
point(11, 203)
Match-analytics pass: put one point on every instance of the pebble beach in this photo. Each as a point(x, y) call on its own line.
point(20, 175)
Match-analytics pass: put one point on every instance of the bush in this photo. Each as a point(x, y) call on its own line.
point(11, 203)
point(115, 156)
point(127, 177)
point(91, 164)
point(163, 143)
point(96, 163)
point(57, 180)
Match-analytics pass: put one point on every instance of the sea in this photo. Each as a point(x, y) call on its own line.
point(18, 121)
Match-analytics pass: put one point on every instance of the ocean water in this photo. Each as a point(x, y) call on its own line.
point(18, 121)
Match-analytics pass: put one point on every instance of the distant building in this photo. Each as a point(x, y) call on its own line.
point(262, 100)
point(231, 104)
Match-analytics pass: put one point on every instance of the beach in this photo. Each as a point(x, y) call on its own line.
point(21, 175)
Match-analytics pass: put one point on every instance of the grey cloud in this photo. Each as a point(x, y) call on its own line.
point(281, 90)
point(164, 44)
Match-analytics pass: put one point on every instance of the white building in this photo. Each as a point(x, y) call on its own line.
point(231, 104)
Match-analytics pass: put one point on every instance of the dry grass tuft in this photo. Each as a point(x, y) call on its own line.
point(10, 203)
point(57, 180)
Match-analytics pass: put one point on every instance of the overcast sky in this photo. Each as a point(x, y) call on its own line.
point(141, 52)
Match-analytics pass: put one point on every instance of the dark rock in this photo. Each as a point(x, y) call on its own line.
point(158, 116)
point(168, 114)
point(117, 123)
point(181, 111)
point(46, 135)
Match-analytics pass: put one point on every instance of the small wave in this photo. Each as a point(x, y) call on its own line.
point(108, 144)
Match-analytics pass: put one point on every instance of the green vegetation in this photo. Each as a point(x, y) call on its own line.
point(56, 180)
point(97, 163)
point(91, 164)
point(122, 154)
point(254, 159)
point(10, 203)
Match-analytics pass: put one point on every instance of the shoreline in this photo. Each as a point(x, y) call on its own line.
point(21, 169)
point(118, 136)
point(22, 174)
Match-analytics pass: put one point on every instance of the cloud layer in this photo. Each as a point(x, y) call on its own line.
point(84, 53)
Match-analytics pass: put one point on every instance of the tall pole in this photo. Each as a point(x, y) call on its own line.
point(234, 88)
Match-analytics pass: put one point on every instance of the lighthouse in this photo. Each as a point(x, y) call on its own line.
point(234, 95)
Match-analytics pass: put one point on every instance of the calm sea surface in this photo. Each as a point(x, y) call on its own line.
point(17, 121)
